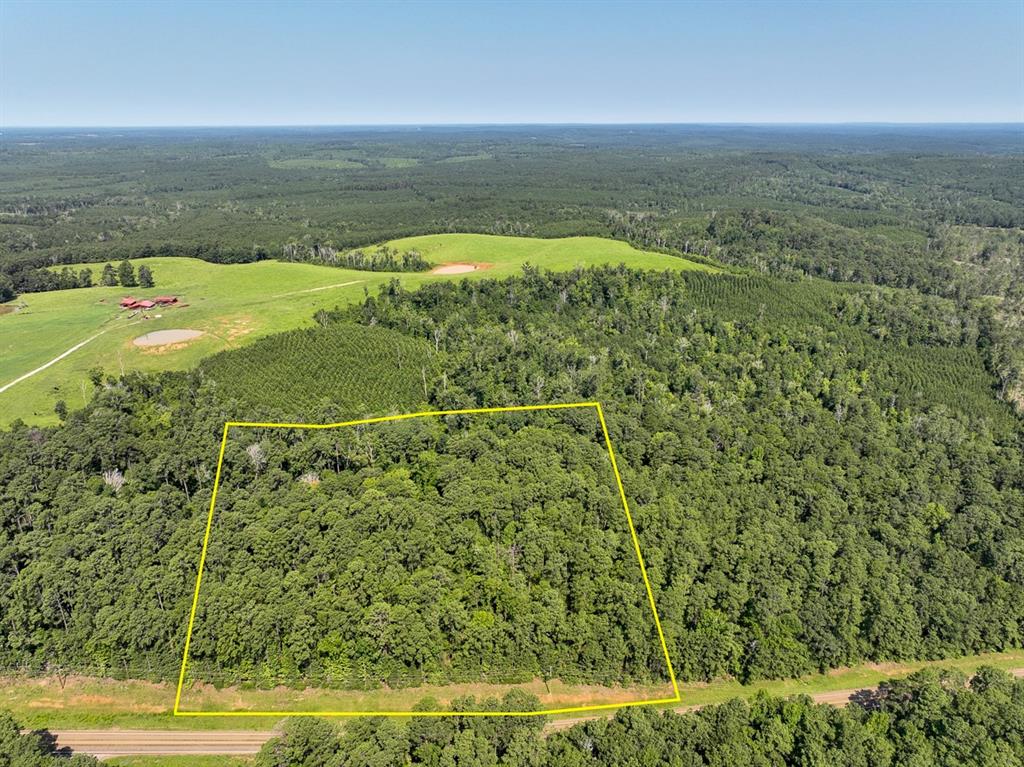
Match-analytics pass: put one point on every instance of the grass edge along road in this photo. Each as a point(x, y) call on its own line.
point(166, 747)
point(133, 704)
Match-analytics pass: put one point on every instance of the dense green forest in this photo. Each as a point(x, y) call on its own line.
point(819, 476)
point(937, 209)
point(886, 201)
point(931, 718)
point(818, 449)
point(490, 546)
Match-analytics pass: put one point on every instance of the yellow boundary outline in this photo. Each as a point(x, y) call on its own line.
point(405, 416)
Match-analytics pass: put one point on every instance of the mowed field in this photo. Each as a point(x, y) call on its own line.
point(234, 305)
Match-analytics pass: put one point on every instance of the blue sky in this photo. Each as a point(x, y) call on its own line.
point(316, 63)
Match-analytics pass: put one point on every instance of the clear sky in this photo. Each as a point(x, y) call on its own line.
point(126, 63)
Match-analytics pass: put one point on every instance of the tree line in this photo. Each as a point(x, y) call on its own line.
point(383, 259)
point(33, 280)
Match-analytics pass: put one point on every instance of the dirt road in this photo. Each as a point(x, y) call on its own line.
point(317, 290)
point(54, 361)
point(107, 743)
point(59, 357)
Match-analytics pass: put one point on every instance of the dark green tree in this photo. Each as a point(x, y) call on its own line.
point(109, 276)
point(126, 274)
point(7, 291)
point(32, 749)
point(304, 742)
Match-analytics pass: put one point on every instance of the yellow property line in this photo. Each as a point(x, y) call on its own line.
point(639, 556)
point(402, 417)
point(542, 712)
point(199, 575)
point(406, 416)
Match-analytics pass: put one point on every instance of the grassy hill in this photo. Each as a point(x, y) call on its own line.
point(235, 305)
point(506, 254)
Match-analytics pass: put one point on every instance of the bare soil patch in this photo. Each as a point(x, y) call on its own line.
point(164, 337)
point(459, 268)
point(234, 328)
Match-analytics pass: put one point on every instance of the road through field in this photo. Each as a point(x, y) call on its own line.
point(54, 361)
point(108, 743)
point(317, 290)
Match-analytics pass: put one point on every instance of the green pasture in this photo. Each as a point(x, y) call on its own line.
point(234, 305)
point(508, 254)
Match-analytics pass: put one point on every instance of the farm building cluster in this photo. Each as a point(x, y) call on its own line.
point(131, 303)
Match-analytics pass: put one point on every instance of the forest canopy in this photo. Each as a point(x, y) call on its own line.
point(487, 546)
point(808, 491)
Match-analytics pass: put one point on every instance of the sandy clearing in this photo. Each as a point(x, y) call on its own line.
point(163, 337)
point(458, 268)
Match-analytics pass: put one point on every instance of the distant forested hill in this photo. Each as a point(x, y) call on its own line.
point(246, 194)
point(939, 209)
point(820, 474)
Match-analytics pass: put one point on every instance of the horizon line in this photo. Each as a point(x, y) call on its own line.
point(569, 124)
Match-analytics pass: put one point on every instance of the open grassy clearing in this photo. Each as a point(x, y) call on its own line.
point(89, 703)
point(305, 163)
point(234, 305)
point(507, 254)
point(191, 760)
point(552, 695)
